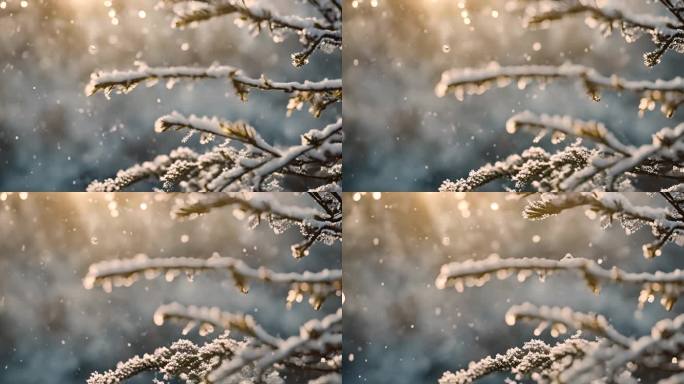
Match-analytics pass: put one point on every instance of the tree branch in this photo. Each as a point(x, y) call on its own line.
point(670, 93)
point(472, 273)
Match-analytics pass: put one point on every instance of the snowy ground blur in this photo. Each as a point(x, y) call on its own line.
point(398, 328)
point(401, 137)
point(53, 330)
point(54, 138)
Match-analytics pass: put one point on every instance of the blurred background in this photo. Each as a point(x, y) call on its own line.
point(53, 137)
point(52, 330)
point(401, 137)
point(398, 328)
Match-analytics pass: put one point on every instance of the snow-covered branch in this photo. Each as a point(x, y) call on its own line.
point(313, 33)
point(125, 272)
point(316, 163)
point(210, 127)
point(662, 156)
point(667, 224)
point(475, 81)
point(319, 94)
point(534, 357)
point(253, 203)
point(534, 168)
point(155, 168)
point(613, 357)
point(559, 319)
point(261, 356)
point(223, 358)
point(475, 273)
point(666, 32)
point(608, 163)
point(182, 359)
point(183, 167)
point(188, 12)
point(320, 148)
point(258, 166)
point(560, 126)
point(601, 202)
point(315, 225)
point(209, 318)
point(316, 337)
point(611, 164)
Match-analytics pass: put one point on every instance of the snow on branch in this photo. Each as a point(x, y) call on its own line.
point(534, 167)
point(319, 94)
point(469, 81)
point(613, 355)
point(606, 163)
point(209, 318)
point(155, 168)
point(534, 357)
point(239, 130)
point(610, 165)
point(314, 165)
point(261, 356)
point(667, 224)
point(182, 167)
point(666, 32)
point(560, 319)
point(602, 202)
point(476, 273)
point(200, 203)
point(182, 359)
point(666, 149)
point(320, 148)
point(314, 224)
point(258, 166)
point(125, 272)
point(561, 126)
point(313, 33)
point(316, 338)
